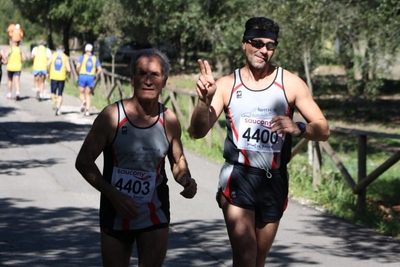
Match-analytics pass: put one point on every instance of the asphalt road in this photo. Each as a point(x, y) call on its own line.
point(49, 214)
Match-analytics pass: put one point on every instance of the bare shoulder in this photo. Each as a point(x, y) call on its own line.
point(172, 124)
point(292, 80)
point(294, 86)
point(170, 117)
point(107, 118)
point(226, 81)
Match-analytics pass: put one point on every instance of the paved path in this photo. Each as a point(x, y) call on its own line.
point(49, 214)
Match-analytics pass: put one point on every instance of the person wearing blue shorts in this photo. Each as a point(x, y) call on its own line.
point(40, 55)
point(89, 68)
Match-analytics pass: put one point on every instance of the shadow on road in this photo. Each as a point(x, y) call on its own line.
point(69, 237)
point(41, 237)
point(37, 133)
point(354, 241)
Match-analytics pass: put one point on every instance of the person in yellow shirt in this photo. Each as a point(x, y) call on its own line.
point(14, 59)
point(40, 55)
point(59, 68)
point(88, 67)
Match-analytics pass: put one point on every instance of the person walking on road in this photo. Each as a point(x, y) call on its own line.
point(258, 100)
point(88, 67)
point(135, 136)
point(59, 69)
point(15, 33)
point(10, 30)
point(14, 59)
point(40, 55)
point(2, 60)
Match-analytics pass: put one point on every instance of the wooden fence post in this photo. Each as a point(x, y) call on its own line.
point(362, 170)
point(317, 159)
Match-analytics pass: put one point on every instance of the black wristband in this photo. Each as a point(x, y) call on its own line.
point(302, 127)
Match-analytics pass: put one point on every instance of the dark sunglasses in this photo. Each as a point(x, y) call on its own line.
point(260, 44)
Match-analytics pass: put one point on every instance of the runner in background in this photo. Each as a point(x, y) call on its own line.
point(17, 34)
point(88, 67)
point(40, 55)
point(14, 59)
point(59, 68)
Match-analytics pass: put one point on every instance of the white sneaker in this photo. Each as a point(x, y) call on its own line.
point(9, 96)
point(83, 106)
point(87, 113)
point(58, 112)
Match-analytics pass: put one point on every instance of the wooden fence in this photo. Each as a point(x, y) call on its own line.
point(363, 179)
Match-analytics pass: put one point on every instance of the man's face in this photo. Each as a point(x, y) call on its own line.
point(258, 57)
point(148, 80)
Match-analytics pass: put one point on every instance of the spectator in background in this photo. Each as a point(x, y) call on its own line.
point(40, 55)
point(88, 68)
point(10, 30)
point(2, 59)
point(14, 59)
point(17, 34)
point(59, 68)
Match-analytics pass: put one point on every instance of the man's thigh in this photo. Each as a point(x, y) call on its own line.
point(115, 252)
point(152, 247)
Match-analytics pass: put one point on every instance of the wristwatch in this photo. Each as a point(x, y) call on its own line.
point(302, 126)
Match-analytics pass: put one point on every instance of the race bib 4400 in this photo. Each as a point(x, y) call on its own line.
point(255, 134)
point(139, 185)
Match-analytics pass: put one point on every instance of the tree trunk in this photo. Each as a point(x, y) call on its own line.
point(49, 30)
point(66, 30)
point(306, 63)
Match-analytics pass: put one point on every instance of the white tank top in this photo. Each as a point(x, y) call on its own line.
point(249, 140)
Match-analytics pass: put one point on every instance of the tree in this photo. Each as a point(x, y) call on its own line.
point(65, 16)
point(112, 26)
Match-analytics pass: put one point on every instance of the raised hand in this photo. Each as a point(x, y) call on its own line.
point(205, 86)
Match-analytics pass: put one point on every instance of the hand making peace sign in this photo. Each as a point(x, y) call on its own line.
point(205, 86)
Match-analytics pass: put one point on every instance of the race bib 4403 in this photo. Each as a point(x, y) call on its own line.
point(139, 185)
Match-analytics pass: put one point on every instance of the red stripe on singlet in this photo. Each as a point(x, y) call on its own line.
point(288, 111)
point(236, 87)
point(153, 216)
point(274, 161)
point(122, 122)
point(246, 157)
point(234, 131)
point(158, 169)
point(161, 121)
point(278, 84)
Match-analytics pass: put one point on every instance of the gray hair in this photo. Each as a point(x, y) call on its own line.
point(149, 52)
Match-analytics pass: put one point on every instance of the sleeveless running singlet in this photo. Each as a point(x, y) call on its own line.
point(88, 65)
point(249, 139)
point(40, 60)
point(58, 69)
point(14, 59)
point(134, 164)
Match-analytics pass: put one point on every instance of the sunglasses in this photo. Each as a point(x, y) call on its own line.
point(260, 44)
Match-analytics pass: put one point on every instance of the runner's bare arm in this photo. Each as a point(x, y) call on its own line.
point(179, 165)
point(210, 104)
point(99, 136)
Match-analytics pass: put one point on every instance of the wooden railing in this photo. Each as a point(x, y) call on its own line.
point(363, 180)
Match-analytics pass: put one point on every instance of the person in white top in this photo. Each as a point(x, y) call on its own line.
point(259, 100)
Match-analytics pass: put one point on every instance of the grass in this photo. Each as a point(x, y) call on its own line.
point(333, 195)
